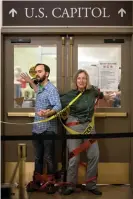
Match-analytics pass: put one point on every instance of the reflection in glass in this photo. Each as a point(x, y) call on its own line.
point(26, 57)
point(103, 64)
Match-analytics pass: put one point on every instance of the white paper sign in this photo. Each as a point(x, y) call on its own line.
point(108, 76)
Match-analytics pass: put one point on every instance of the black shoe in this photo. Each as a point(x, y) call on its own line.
point(68, 191)
point(96, 192)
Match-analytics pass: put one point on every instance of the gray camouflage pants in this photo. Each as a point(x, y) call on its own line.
point(92, 157)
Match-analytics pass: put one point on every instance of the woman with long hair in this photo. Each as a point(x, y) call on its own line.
point(80, 116)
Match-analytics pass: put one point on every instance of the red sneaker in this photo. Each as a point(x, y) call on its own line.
point(32, 186)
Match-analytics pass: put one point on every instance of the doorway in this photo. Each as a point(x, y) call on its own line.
point(101, 56)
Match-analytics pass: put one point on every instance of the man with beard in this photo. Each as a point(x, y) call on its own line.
point(47, 104)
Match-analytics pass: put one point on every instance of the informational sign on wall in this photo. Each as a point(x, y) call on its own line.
point(103, 75)
point(108, 76)
point(67, 13)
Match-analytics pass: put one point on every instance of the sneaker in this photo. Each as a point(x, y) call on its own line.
point(95, 191)
point(32, 186)
point(68, 191)
point(38, 178)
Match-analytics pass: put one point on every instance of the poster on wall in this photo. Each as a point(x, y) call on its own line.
point(93, 72)
point(108, 76)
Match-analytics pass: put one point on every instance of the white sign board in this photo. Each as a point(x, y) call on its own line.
point(108, 76)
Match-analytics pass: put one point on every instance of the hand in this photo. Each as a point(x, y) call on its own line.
point(26, 77)
point(110, 96)
point(43, 113)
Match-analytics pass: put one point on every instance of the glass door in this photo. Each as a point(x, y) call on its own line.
point(107, 61)
point(19, 97)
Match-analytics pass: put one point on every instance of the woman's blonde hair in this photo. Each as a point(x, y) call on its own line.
point(74, 83)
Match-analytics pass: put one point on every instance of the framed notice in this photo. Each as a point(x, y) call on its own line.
point(108, 76)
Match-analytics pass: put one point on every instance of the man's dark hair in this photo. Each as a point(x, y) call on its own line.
point(46, 68)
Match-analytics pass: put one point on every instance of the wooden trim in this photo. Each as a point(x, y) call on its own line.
point(71, 57)
point(131, 114)
point(2, 109)
point(21, 114)
point(102, 114)
point(67, 29)
point(111, 114)
point(63, 63)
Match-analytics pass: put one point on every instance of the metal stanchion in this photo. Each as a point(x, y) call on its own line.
point(22, 159)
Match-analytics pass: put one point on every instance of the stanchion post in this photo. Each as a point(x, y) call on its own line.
point(22, 159)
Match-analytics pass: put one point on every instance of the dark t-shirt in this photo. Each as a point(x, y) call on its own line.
point(83, 108)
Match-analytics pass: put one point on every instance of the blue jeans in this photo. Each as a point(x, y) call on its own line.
point(44, 153)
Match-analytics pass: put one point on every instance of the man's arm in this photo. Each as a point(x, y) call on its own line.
point(54, 100)
point(33, 85)
point(27, 78)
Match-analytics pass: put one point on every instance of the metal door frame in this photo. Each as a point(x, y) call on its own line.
point(87, 31)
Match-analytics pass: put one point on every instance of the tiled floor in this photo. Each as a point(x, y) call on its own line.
point(109, 192)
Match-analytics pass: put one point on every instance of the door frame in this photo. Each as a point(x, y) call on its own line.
point(125, 48)
point(131, 152)
point(57, 39)
point(2, 110)
point(86, 31)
